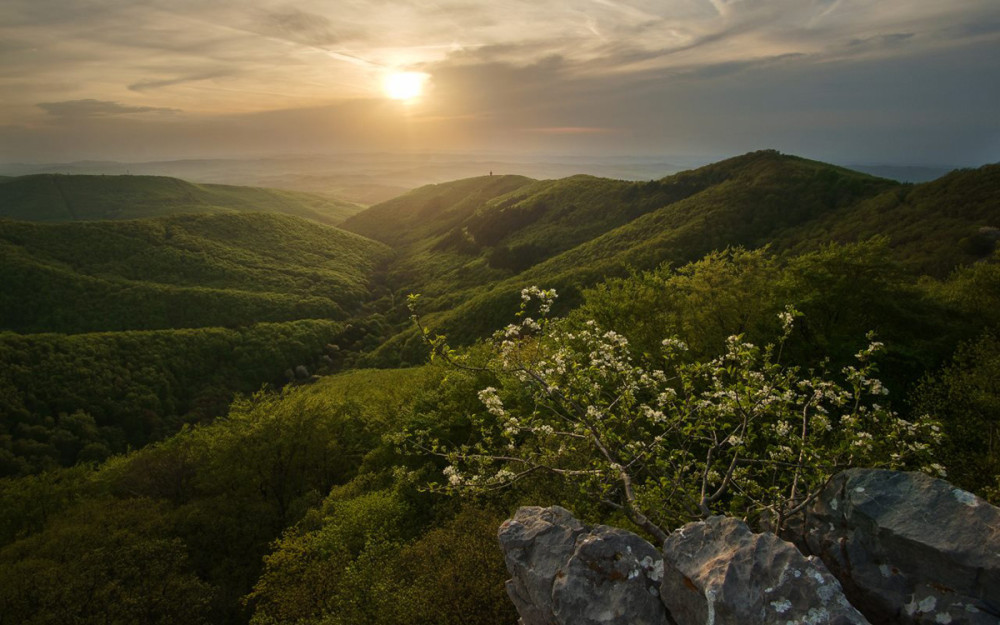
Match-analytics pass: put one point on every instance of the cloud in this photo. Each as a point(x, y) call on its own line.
point(985, 27)
point(569, 130)
point(881, 40)
point(147, 85)
point(719, 70)
point(294, 24)
point(97, 108)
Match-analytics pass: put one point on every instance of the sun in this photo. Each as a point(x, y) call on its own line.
point(404, 85)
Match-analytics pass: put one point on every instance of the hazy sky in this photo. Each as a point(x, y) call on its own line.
point(900, 81)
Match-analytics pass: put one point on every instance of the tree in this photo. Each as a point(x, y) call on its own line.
point(671, 438)
point(966, 396)
point(105, 561)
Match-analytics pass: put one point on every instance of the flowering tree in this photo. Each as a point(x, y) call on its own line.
point(668, 439)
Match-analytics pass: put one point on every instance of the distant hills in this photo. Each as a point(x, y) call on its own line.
point(61, 197)
point(371, 178)
point(466, 245)
point(365, 178)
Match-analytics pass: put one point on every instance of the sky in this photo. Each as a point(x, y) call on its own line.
point(859, 81)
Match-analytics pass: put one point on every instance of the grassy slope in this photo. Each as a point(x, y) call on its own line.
point(55, 197)
point(181, 271)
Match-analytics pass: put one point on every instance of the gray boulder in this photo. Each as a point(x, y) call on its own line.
point(565, 573)
point(718, 572)
point(908, 548)
point(537, 543)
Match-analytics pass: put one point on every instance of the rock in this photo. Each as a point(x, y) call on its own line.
point(613, 577)
point(718, 572)
point(537, 543)
point(564, 573)
point(908, 548)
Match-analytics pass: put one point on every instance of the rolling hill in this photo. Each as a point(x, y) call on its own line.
point(57, 197)
point(471, 257)
point(467, 246)
point(179, 272)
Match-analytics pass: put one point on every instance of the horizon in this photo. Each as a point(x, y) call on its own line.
point(896, 83)
point(369, 178)
point(688, 160)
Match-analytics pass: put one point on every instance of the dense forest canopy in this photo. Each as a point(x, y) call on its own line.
point(171, 456)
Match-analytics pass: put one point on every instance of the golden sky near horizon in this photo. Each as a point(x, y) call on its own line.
point(94, 78)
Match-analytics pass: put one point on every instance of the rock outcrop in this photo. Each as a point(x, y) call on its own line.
point(908, 548)
point(718, 571)
point(889, 547)
point(564, 573)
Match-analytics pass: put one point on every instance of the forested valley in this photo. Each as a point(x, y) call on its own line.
point(234, 405)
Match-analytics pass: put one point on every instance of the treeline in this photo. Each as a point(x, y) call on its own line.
point(81, 398)
point(934, 227)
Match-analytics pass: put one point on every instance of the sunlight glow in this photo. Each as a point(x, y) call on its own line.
point(404, 85)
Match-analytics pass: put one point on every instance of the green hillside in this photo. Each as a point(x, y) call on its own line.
point(56, 197)
point(762, 198)
point(746, 200)
point(181, 271)
point(187, 433)
point(471, 232)
point(343, 526)
point(431, 210)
